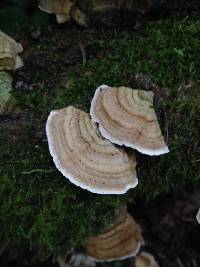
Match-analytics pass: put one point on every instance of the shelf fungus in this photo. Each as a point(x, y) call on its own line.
point(121, 241)
point(145, 259)
point(83, 156)
point(65, 10)
point(9, 50)
point(126, 117)
point(198, 216)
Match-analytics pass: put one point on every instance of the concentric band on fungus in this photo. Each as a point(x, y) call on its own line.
point(126, 117)
point(84, 157)
point(122, 241)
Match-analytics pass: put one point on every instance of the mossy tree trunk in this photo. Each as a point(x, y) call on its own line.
point(39, 207)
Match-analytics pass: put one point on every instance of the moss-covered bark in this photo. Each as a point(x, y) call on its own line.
point(39, 207)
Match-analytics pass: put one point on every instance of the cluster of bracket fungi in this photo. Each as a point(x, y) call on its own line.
point(88, 150)
point(91, 151)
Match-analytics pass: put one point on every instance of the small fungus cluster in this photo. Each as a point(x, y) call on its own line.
point(91, 151)
point(86, 153)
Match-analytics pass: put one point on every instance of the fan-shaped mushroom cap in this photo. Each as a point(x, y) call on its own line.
point(198, 216)
point(122, 241)
point(84, 157)
point(145, 259)
point(9, 50)
point(126, 117)
point(61, 8)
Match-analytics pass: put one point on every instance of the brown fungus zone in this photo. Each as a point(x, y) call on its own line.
point(126, 117)
point(83, 156)
point(121, 241)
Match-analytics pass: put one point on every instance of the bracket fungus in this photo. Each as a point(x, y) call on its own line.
point(126, 117)
point(9, 50)
point(83, 156)
point(145, 259)
point(198, 216)
point(65, 10)
point(123, 240)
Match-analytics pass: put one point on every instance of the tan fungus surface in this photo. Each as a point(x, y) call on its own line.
point(126, 117)
point(121, 241)
point(84, 157)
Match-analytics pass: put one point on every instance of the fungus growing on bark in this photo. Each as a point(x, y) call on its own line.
point(83, 156)
point(65, 10)
point(121, 241)
point(126, 117)
point(9, 50)
point(145, 259)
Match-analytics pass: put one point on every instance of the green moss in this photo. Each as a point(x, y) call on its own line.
point(12, 18)
point(39, 206)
